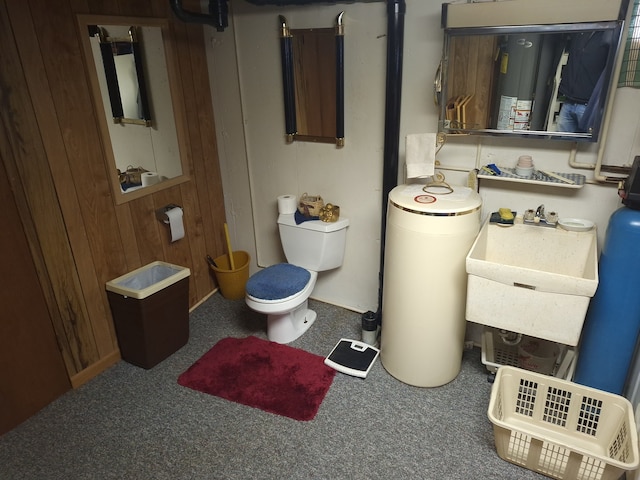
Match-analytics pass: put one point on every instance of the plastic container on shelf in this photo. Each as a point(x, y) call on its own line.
point(561, 429)
point(496, 353)
point(538, 355)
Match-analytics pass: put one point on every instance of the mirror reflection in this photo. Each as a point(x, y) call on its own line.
point(143, 160)
point(314, 67)
point(313, 82)
point(124, 72)
point(549, 82)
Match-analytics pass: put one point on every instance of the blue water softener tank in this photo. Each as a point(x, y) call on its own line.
point(612, 323)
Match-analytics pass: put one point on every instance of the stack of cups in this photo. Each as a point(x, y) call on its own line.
point(524, 167)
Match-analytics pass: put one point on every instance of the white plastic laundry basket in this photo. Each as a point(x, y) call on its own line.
point(562, 429)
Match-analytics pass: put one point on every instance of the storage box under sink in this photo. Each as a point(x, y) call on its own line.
point(532, 279)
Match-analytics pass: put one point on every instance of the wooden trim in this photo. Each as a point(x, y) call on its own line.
point(95, 369)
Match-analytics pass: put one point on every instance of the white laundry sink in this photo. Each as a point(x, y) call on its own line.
point(534, 280)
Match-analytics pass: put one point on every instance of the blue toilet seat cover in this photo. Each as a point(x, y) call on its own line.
point(277, 281)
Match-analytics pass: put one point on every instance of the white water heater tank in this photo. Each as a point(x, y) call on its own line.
point(429, 232)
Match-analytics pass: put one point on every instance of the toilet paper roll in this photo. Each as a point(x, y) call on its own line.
point(287, 204)
point(149, 178)
point(174, 218)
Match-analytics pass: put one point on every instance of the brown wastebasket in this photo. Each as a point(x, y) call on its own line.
point(232, 282)
point(150, 308)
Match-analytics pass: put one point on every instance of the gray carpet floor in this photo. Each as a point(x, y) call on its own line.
point(132, 423)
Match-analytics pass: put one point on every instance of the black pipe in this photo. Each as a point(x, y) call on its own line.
point(112, 80)
point(339, 87)
point(288, 83)
point(217, 17)
point(396, 10)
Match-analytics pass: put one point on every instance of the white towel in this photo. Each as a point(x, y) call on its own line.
point(421, 155)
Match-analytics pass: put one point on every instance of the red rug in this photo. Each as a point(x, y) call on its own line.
point(262, 374)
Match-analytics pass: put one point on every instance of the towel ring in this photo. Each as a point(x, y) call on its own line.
point(438, 183)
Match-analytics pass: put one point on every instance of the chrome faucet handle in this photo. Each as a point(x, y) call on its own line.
point(529, 215)
point(552, 217)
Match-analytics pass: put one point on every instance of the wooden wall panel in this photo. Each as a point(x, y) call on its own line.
point(211, 199)
point(85, 238)
point(87, 184)
point(18, 123)
point(471, 65)
point(33, 372)
point(35, 173)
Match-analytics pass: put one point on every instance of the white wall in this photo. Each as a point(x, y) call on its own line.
point(257, 165)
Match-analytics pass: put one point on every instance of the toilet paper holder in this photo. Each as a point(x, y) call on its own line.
point(161, 213)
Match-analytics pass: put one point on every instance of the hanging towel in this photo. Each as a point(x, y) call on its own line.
point(421, 155)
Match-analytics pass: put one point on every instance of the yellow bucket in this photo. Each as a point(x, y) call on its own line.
point(232, 282)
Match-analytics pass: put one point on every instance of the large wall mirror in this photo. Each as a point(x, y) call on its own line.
point(516, 80)
point(313, 81)
point(523, 68)
point(132, 69)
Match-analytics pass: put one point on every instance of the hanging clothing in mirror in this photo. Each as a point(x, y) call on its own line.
point(512, 73)
point(582, 79)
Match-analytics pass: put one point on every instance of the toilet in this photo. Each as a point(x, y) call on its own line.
point(282, 291)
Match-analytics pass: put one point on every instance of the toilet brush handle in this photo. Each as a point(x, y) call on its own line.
point(226, 235)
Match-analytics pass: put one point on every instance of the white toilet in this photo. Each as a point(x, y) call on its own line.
point(282, 291)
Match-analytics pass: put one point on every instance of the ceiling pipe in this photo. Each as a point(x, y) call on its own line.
point(396, 10)
point(217, 17)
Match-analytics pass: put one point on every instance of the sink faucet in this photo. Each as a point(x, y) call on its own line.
point(540, 217)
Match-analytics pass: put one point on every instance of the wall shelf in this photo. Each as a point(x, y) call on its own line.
point(508, 175)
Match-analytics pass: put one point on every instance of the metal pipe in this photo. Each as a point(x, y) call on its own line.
point(288, 81)
point(572, 159)
point(340, 81)
point(217, 17)
point(396, 10)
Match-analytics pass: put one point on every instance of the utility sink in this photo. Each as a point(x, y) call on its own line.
point(533, 280)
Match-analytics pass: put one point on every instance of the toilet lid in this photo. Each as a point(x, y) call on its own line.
point(277, 281)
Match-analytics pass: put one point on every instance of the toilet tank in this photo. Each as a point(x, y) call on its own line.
point(314, 244)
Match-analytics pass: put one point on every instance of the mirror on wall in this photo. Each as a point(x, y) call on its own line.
point(527, 80)
point(313, 82)
point(124, 73)
point(142, 73)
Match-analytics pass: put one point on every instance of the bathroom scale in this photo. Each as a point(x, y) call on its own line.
point(352, 357)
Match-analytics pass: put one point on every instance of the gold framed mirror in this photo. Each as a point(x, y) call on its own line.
point(140, 160)
point(313, 82)
point(125, 75)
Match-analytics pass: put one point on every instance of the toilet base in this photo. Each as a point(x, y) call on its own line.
point(286, 327)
